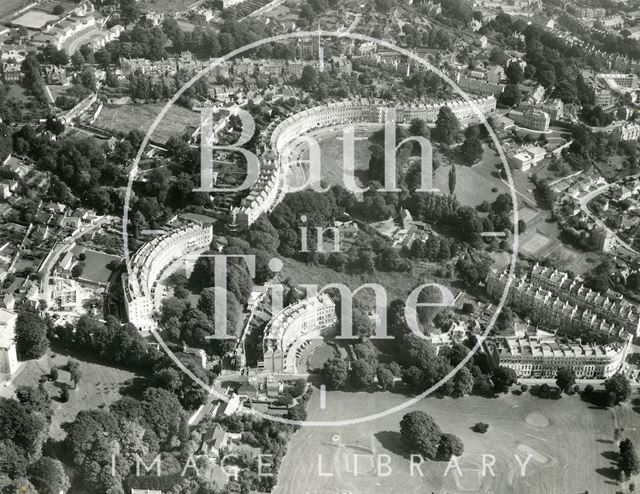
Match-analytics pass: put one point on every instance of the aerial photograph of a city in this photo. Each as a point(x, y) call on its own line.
point(319, 246)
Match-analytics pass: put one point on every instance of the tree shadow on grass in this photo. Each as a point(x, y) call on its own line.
point(611, 455)
point(392, 441)
point(610, 473)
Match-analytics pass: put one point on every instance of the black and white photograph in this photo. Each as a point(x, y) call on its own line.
point(319, 246)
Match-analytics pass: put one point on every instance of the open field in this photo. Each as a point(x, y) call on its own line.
point(472, 188)
point(569, 442)
point(140, 117)
point(99, 386)
point(331, 145)
point(9, 6)
point(167, 6)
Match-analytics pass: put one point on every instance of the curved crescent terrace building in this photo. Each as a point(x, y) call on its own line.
point(292, 327)
point(149, 262)
point(271, 184)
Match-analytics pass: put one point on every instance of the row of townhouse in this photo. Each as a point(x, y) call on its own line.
point(548, 309)
point(275, 142)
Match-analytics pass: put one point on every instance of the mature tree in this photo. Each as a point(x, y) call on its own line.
point(309, 77)
point(503, 378)
point(335, 372)
point(628, 462)
point(31, 336)
point(618, 386)
point(210, 302)
point(463, 382)
point(514, 73)
point(13, 460)
point(447, 129)
point(365, 350)
point(511, 95)
point(73, 366)
point(48, 476)
point(362, 374)
point(27, 429)
point(565, 378)
point(420, 434)
point(471, 149)
point(385, 377)
point(450, 445)
point(35, 399)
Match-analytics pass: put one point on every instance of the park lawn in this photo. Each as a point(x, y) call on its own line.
point(8, 6)
point(99, 387)
point(472, 187)
point(570, 443)
point(140, 117)
point(166, 6)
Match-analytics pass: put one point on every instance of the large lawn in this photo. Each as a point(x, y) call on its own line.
point(140, 117)
point(570, 443)
point(99, 386)
point(8, 6)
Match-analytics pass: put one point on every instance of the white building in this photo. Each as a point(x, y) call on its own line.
point(531, 119)
point(288, 331)
point(627, 132)
point(554, 108)
point(526, 157)
point(542, 356)
point(148, 264)
point(8, 355)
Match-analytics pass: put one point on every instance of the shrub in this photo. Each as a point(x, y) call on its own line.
point(524, 388)
point(481, 427)
point(53, 373)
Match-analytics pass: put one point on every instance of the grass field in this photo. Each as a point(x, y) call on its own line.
point(9, 6)
point(140, 117)
point(570, 445)
point(166, 6)
point(99, 386)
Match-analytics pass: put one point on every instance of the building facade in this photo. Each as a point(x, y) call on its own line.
point(149, 262)
point(531, 119)
point(290, 328)
point(275, 143)
point(541, 357)
point(8, 355)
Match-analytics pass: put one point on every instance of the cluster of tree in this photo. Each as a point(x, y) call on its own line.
point(80, 167)
point(471, 149)
point(595, 116)
point(551, 61)
point(362, 373)
point(132, 427)
point(271, 437)
point(311, 10)
point(24, 424)
point(628, 463)
point(142, 41)
point(31, 336)
point(32, 78)
point(147, 87)
point(422, 436)
point(434, 248)
point(616, 390)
